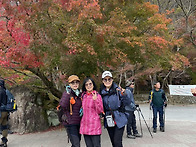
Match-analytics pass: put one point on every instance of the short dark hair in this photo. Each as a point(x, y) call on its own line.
point(86, 80)
point(155, 82)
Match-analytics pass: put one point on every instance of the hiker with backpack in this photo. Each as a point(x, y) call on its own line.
point(157, 100)
point(71, 104)
point(92, 105)
point(3, 114)
point(114, 101)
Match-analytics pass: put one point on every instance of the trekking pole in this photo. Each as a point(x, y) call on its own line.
point(140, 123)
point(164, 116)
point(150, 114)
point(145, 121)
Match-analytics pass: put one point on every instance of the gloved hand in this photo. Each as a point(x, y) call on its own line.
point(102, 115)
point(136, 105)
point(165, 105)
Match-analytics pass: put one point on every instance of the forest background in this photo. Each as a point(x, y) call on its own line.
point(42, 42)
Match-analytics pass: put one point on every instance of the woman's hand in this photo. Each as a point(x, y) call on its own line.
point(94, 95)
point(122, 90)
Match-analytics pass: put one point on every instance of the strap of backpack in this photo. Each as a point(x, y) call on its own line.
point(70, 105)
point(151, 95)
point(71, 111)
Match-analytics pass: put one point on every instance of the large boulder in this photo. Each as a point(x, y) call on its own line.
point(30, 116)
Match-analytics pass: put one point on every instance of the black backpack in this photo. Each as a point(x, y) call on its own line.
point(60, 113)
point(11, 103)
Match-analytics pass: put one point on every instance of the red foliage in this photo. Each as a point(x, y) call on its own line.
point(15, 40)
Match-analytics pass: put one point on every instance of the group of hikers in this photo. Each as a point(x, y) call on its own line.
point(83, 111)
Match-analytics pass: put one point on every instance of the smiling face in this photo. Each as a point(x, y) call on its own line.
point(89, 86)
point(132, 85)
point(107, 81)
point(74, 84)
point(157, 85)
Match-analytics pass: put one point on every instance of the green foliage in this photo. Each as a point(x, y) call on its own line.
point(87, 37)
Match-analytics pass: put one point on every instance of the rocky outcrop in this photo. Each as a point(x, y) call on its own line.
point(30, 116)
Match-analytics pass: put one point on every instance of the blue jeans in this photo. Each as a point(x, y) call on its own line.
point(155, 110)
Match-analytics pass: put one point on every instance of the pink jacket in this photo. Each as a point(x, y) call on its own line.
point(91, 123)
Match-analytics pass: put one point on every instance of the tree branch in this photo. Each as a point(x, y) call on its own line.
point(22, 73)
point(49, 84)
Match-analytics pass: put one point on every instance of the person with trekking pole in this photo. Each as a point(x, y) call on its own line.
point(71, 102)
point(114, 101)
point(132, 131)
point(158, 101)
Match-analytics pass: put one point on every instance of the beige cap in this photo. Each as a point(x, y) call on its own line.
point(72, 78)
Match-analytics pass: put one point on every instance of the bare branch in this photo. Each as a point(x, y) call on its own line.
point(166, 78)
point(13, 82)
point(23, 73)
point(159, 4)
point(192, 39)
point(180, 74)
point(180, 4)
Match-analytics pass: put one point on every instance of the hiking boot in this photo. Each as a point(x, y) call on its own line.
point(3, 142)
point(162, 129)
point(3, 145)
point(137, 135)
point(131, 136)
point(154, 130)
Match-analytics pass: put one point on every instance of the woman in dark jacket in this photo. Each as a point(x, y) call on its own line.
point(114, 102)
point(71, 103)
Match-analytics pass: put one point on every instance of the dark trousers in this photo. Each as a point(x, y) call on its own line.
point(74, 135)
point(92, 140)
point(3, 123)
point(155, 111)
point(131, 125)
point(116, 135)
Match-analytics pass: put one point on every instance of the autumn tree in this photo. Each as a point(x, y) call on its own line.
point(48, 40)
point(183, 23)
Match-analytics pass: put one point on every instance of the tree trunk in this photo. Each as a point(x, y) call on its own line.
point(49, 84)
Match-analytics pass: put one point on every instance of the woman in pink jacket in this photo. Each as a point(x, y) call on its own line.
point(90, 125)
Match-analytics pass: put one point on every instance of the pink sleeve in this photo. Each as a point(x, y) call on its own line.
point(99, 104)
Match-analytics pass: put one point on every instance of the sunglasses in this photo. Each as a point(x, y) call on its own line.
point(88, 84)
point(74, 82)
point(107, 80)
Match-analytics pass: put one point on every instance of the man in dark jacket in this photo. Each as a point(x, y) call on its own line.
point(131, 125)
point(4, 114)
point(157, 100)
